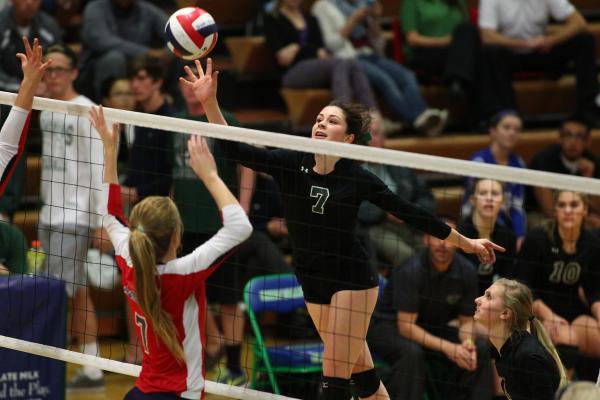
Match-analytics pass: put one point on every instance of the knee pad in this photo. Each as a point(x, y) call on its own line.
point(365, 383)
point(568, 355)
point(335, 388)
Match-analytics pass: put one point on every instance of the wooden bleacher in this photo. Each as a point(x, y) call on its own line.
point(449, 198)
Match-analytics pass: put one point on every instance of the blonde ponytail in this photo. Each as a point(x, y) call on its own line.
point(153, 222)
point(538, 330)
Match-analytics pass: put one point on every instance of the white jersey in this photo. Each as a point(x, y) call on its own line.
point(72, 168)
point(12, 138)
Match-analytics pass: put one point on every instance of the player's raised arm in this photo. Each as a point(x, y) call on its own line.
point(14, 130)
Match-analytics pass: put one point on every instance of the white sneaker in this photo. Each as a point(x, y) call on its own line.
point(431, 122)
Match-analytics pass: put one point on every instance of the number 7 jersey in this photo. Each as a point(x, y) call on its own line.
point(182, 290)
point(321, 210)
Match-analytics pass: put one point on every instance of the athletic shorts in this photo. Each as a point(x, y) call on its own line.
point(137, 394)
point(226, 284)
point(318, 286)
point(66, 251)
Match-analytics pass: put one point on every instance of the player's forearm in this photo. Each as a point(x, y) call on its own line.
point(110, 165)
point(213, 112)
point(219, 191)
point(541, 310)
point(26, 92)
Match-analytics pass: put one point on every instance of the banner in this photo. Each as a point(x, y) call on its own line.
point(32, 308)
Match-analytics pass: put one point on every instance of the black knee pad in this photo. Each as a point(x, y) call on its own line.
point(568, 355)
point(365, 383)
point(335, 388)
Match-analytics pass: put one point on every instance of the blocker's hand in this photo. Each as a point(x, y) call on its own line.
point(204, 85)
point(201, 159)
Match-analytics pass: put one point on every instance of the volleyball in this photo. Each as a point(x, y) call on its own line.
point(191, 33)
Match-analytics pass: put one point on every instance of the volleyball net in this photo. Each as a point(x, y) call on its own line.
point(260, 271)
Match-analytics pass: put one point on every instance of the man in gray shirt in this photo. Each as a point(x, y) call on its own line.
point(115, 31)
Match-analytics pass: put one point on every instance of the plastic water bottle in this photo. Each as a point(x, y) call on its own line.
point(35, 257)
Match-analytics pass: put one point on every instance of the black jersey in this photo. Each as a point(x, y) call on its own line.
point(555, 276)
point(321, 210)
point(527, 369)
point(504, 265)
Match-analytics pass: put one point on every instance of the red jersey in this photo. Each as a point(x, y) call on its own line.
point(12, 142)
point(182, 283)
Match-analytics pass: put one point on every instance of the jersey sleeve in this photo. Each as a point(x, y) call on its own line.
point(114, 221)
point(12, 142)
point(258, 159)
point(199, 264)
point(374, 190)
point(488, 14)
point(591, 282)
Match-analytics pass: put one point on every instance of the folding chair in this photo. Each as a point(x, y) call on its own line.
point(279, 293)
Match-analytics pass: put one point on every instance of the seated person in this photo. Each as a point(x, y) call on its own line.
point(13, 250)
point(115, 32)
point(389, 237)
point(571, 156)
point(23, 18)
point(352, 29)
point(487, 199)
point(150, 171)
point(559, 263)
point(411, 325)
point(516, 38)
point(295, 39)
point(442, 41)
point(505, 127)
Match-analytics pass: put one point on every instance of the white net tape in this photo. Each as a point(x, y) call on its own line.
point(363, 153)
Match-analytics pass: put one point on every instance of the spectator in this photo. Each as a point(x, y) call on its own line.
point(295, 38)
point(515, 34)
point(151, 150)
point(353, 30)
point(410, 326)
point(487, 199)
point(71, 184)
point(505, 128)
point(13, 250)
point(115, 31)
point(571, 155)
point(23, 18)
point(202, 220)
point(389, 237)
point(559, 263)
point(442, 41)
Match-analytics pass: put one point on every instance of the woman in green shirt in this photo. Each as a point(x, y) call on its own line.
point(442, 41)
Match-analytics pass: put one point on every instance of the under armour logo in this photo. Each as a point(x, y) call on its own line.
point(304, 169)
point(555, 250)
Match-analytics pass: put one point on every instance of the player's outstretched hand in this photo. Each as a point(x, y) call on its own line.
point(31, 62)
point(483, 248)
point(110, 138)
point(202, 161)
point(204, 84)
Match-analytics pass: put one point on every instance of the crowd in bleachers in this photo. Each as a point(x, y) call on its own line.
point(115, 55)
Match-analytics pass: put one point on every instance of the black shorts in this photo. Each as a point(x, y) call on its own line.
point(226, 284)
point(318, 286)
point(137, 394)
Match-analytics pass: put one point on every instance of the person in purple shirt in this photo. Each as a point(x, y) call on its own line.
point(505, 127)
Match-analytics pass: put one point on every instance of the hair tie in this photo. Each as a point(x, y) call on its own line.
point(531, 318)
point(140, 228)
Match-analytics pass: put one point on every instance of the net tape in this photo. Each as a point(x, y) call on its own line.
point(362, 153)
